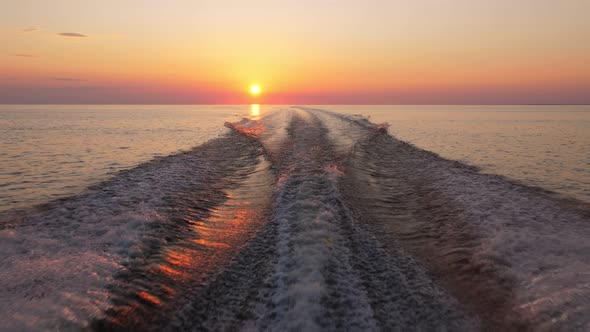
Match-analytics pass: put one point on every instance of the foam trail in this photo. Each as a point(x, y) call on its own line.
point(312, 266)
point(299, 219)
point(309, 243)
point(516, 256)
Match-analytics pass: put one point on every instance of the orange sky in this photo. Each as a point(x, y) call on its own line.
point(303, 52)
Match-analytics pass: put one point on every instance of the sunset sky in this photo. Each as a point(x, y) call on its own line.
point(303, 52)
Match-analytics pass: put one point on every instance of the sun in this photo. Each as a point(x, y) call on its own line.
point(254, 90)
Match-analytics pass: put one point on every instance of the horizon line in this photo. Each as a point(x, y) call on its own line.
point(292, 104)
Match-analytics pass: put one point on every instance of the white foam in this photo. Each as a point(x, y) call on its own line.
point(544, 243)
point(308, 244)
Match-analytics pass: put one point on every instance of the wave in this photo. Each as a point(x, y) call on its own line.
point(301, 219)
point(515, 255)
point(126, 248)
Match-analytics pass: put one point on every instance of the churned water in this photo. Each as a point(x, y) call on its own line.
point(189, 218)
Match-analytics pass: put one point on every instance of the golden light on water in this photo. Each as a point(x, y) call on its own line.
point(255, 90)
point(255, 112)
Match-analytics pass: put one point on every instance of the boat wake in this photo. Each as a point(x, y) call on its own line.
point(301, 219)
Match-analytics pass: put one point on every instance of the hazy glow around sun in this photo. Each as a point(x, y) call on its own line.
point(254, 90)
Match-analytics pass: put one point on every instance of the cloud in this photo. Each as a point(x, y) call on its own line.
point(71, 34)
point(29, 30)
point(23, 55)
point(67, 79)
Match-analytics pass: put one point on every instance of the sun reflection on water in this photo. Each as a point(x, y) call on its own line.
point(207, 244)
point(255, 112)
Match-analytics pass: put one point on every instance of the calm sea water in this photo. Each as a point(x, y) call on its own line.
point(47, 152)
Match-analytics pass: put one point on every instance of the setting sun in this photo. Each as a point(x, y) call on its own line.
point(295, 165)
point(254, 90)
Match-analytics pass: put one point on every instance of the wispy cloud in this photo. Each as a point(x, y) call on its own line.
point(67, 79)
point(71, 34)
point(29, 30)
point(23, 55)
